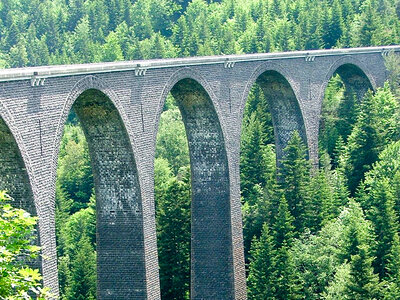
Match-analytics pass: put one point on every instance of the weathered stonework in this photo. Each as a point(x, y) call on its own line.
point(120, 249)
point(119, 105)
point(211, 255)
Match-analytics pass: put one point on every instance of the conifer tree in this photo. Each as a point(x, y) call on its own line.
point(362, 283)
point(377, 125)
point(283, 280)
point(383, 216)
point(260, 267)
point(295, 176)
point(251, 158)
point(393, 269)
point(173, 220)
point(321, 207)
point(82, 285)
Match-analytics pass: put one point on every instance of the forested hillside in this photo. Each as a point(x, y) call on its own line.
point(331, 233)
point(42, 32)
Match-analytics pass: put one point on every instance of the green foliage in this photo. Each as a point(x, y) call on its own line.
point(171, 140)
point(378, 197)
point(260, 205)
point(316, 259)
point(363, 283)
point(335, 263)
point(332, 116)
point(173, 201)
point(271, 272)
point(376, 126)
point(173, 224)
point(62, 31)
point(75, 216)
point(74, 172)
point(295, 173)
point(77, 265)
point(17, 227)
point(260, 267)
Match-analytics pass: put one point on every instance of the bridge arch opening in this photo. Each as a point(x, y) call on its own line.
point(14, 179)
point(109, 228)
point(343, 94)
point(271, 115)
point(205, 190)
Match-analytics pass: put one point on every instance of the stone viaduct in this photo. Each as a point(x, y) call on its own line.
point(119, 105)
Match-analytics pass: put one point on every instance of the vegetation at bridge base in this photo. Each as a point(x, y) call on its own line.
point(17, 232)
point(346, 241)
point(353, 196)
point(75, 216)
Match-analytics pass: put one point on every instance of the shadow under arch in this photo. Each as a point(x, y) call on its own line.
point(211, 243)
point(284, 107)
point(119, 218)
point(356, 82)
point(354, 78)
point(15, 180)
point(354, 74)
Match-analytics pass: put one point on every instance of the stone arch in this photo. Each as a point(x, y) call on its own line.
point(86, 83)
point(15, 172)
point(9, 126)
point(282, 94)
point(355, 75)
point(211, 245)
point(357, 80)
point(121, 272)
point(184, 73)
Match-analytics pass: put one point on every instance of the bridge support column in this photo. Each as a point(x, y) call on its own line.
point(121, 271)
point(212, 270)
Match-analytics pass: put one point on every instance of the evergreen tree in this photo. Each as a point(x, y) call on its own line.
point(82, 284)
point(251, 158)
point(362, 283)
point(18, 55)
point(393, 269)
point(295, 176)
point(173, 223)
point(74, 171)
point(262, 203)
point(383, 216)
point(321, 207)
point(112, 49)
point(13, 35)
point(283, 280)
point(369, 24)
point(376, 126)
point(260, 267)
point(171, 139)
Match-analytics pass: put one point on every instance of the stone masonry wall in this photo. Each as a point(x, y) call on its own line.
point(120, 253)
point(120, 111)
point(211, 255)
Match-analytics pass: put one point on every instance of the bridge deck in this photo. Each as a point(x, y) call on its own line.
point(93, 68)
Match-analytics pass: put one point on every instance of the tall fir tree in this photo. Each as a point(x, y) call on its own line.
point(260, 267)
point(173, 223)
point(283, 280)
point(295, 177)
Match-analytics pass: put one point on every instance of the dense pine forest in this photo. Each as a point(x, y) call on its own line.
point(330, 233)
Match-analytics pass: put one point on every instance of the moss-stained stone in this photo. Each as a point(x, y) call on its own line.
point(211, 254)
point(120, 253)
